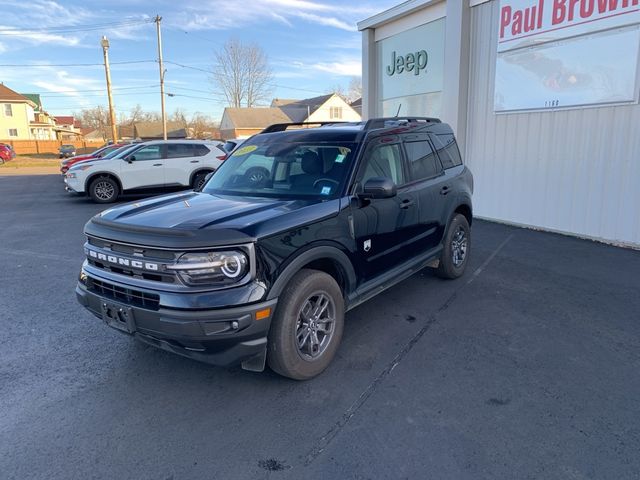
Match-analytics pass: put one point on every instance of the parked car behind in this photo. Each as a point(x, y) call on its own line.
point(99, 153)
point(155, 165)
point(66, 151)
point(233, 143)
point(6, 153)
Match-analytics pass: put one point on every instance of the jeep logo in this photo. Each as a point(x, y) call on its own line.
point(411, 62)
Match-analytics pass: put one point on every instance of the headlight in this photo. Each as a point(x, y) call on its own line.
point(212, 268)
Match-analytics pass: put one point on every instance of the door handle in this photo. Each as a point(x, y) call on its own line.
point(157, 164)
point(194, 161)
point(406, 203)
point(444, 190)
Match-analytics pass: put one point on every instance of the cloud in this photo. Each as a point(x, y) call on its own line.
point(229, 14)
point(37, 38)
point(351, 68)
point(61, 82)
point(3, 47)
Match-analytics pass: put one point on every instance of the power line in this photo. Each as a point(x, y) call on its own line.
point(45, 65)
point(73, 28)
point(270, 84)
point(92, 90)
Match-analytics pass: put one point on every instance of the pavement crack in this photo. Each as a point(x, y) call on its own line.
point(328, 437)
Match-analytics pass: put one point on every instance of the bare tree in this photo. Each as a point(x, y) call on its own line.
point(202, 126)
point(242, 73)
point(179, 115)
point(355, 89)
point(96, 117)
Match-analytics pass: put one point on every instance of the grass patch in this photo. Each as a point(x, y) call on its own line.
point(26, 161)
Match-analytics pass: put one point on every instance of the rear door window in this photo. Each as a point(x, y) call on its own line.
point(448, 151)
point(201, 150)
point(180, 150)
point(423, 162)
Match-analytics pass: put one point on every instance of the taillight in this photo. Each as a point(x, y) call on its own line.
point(223, 157)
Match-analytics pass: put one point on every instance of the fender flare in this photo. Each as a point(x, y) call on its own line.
point(322, 252)
point(91, 177)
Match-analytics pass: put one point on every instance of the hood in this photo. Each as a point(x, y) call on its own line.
point(202, 219)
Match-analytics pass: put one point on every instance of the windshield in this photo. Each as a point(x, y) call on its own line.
point(119, 151)
point(289, 170)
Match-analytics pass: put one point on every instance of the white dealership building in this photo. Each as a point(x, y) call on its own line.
point(542, 94)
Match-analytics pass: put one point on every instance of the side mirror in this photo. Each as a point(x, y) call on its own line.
point(379, 187)
point(131, 158)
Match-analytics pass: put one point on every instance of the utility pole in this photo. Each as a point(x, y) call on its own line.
point(164, 113)
point(112, 114)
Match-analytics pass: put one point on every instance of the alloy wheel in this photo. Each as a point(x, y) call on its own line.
point(315, 325)
point(104, 190)
point(459, 245)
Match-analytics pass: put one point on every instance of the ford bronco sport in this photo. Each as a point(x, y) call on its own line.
point(297, 227)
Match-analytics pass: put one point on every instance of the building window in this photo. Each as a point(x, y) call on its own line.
point(8, 110)
point(13, 132)
point(335, 112)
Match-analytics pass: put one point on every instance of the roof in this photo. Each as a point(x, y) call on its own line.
point(279, 102)
point(35, 98)
point(64, 120)
point(255, 117)
point(393, 13)
point(356, 103)
point(8, 95)
point(154, 130)
point(281, 111)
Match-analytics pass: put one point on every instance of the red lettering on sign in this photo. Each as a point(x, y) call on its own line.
point(505, 19)
point(559, 11)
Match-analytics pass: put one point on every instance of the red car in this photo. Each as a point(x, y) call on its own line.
point(101, 152)
point(6, 153)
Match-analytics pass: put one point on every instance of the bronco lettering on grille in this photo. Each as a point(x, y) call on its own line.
point(125, 262)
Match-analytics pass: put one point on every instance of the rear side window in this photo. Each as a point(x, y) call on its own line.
point(179, 150)
point(201, 150)
point(423, 162)
point(447, 148)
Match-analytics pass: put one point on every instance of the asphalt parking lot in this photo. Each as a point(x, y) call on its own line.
point(527, 367)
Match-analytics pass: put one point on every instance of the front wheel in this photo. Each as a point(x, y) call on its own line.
point(455, 254)
point(104, 190)
point(307, 327)
point(199, 180)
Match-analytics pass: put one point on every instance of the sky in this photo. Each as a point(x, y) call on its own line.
point(45, 46)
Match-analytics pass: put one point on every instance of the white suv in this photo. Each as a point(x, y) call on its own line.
point(157, 164)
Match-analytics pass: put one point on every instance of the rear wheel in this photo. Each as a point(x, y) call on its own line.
point(307, 327)
point(455, 254)
point(104, 190)
point(199, 181)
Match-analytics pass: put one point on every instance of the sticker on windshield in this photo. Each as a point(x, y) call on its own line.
point(325, 191)
point(245, 150)
point(340, 158)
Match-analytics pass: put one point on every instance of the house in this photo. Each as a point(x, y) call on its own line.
point(125, 132)
point(153, 130)
point(244, 122)
point(67, 127)
point(16, 114)
point(42, 127)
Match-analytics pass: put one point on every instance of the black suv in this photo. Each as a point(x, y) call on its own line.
point(297, 227)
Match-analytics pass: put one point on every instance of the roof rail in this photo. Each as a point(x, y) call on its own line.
point(381, 122)
point(281, 127)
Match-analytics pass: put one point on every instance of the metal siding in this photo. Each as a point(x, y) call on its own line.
point(575, 171)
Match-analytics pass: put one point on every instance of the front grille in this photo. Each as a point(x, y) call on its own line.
point(141, 253)
point(128, 296)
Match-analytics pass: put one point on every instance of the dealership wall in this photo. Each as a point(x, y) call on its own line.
point(574, 170)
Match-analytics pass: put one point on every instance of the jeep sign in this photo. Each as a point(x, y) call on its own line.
point(411, 62)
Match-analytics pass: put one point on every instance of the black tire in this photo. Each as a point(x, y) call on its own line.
point(198, 180)
point(457, 243)
point(289, 326)
point(104, 190)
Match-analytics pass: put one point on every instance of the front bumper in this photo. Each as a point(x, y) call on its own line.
point(226, 336)
point(73, 185)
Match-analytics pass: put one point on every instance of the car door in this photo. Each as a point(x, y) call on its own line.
point(181, 161)
point(144, 167)
point(384, 228)
point(428, 180)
